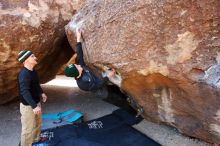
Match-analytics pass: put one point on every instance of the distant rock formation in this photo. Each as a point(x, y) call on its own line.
point(167, 53)
point(37, 25)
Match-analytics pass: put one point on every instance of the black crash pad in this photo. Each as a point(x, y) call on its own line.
point(111, 130)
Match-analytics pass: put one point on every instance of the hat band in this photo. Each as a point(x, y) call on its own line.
point(25, 56)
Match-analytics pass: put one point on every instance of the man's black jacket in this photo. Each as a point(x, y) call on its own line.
point(29, 87)
point(88, 81)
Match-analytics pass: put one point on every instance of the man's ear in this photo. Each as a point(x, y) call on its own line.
point(24, 61)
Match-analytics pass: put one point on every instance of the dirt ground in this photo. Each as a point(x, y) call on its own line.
point(63, 94)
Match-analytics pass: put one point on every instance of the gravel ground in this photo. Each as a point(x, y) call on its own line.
point(63, 94)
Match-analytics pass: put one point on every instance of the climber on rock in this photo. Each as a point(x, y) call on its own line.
point(85, 78)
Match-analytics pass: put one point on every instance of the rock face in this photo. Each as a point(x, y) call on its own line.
point(37, 25)
point(167, 54)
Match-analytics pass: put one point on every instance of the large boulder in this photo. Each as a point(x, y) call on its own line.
point(167, 54)
point(37, 25)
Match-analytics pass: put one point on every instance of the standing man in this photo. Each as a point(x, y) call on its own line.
point(85, 78)
point(30, 94)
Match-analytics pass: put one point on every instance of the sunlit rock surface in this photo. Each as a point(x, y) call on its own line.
point(37, 25)
point(167, 54)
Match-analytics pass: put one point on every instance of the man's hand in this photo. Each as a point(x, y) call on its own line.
point(78, 35)
point(37, 110)
point(44, 97)
point(111, 73)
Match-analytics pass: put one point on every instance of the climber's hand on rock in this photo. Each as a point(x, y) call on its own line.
point(78, 35)
point(111, 73)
